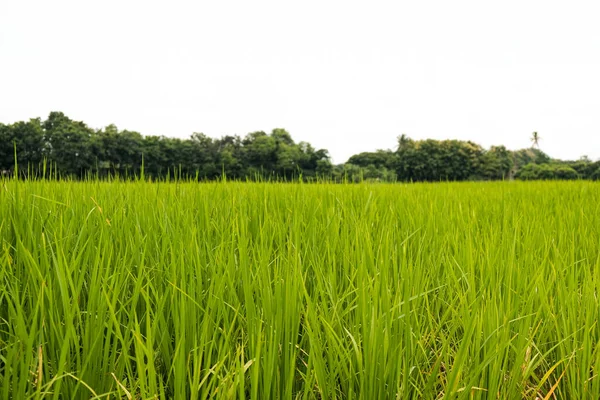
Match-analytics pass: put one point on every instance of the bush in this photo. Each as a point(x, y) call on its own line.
point(546, 172)
point(566, 173)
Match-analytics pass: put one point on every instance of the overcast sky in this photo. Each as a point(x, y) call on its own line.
point(342, 75)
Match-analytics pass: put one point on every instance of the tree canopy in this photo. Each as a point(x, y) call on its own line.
point(60, 147)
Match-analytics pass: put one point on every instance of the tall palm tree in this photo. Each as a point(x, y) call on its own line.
point(535, 140)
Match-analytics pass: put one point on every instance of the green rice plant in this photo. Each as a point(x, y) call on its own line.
point(140, 290)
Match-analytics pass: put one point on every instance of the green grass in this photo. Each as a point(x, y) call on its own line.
point(231, 290)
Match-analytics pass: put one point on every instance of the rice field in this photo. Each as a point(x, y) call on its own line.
point(138, 290)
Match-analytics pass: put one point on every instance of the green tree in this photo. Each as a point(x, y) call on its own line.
point(154, 158)
point(231, 157)
point(379, 159)
point(121, 150)
point(434, 160)
point(260, 152)
point(528, 156)
point(497, 163)
point(27, 138)
point(68, 144)
point(205, 156)
point(324, 168)
point(282, 136)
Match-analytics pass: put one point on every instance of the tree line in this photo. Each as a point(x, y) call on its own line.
point(66, 148)
point(60, 147)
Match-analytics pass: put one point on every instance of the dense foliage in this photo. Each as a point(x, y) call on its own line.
point(61, 147)
point(137, 290)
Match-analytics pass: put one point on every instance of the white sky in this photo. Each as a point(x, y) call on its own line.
point(347, 76)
